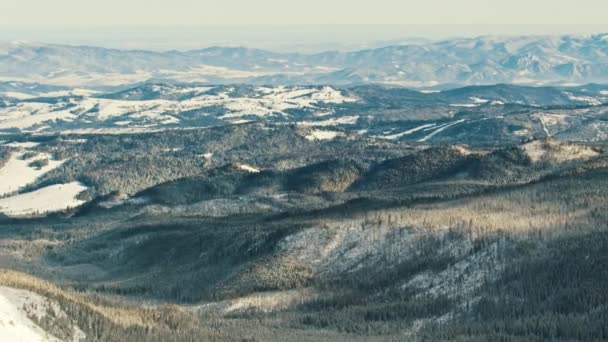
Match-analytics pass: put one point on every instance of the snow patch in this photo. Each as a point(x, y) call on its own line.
point(248, 168)
point(317, 134)
point(17, 95)
point(465, 105)
point(17, 173)
point(331, 95)
point(408, 132)
point(49, 199)
point(542, 122)
point(587, 99)
point(478, 100)
point(344, 120)
point(522, 132)
point(15, 325)
point(86, 109)
point(27, 144)
point(442, 128)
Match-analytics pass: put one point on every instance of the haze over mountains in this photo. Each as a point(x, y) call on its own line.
point(533, 60)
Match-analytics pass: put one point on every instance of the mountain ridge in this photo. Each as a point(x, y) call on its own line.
point(464, 61)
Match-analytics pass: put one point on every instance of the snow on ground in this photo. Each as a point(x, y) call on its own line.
point(344, 120)
point(194, 89)
point(118, 202)
point(317, 134)
point(49, 199)
point(282, 93)
point(151, 109)
point(542, 121)
point(478, 100)
point(277, 100)
point(331, 95)
point(29, 121)
point(554, 119)
point(15, 325)
point(16, 173)
point(72, 92)
point(408, 132)
point(239, 121)
point(28, 114)
point(461, 278)
point(465, 105)
point(75, 79)
point(588, 99)
point(270, 101)
point(440, 129)
point(246, 106)
point(248, 168)
point(17, 95)
point(28, 144)
point(74, 141)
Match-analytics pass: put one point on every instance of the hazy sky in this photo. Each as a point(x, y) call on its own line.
point(62, 13)
point(162, 24)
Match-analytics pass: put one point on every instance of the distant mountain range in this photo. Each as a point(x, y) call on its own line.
point(493, 114)
point(532, 60)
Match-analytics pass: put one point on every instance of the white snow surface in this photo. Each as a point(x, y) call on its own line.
point(27, 144)
point(588, 99)
point(15, 326)
point(16, 173)
point(465, 105)
point(49, 199)
point(248, 168)
point(408, 132)
point(479, 100)
point(17, 95)
point(317, 134)
point(440, 129)
point(542, 121)
point(344, 120)
point(267, 101)
point(28, 114)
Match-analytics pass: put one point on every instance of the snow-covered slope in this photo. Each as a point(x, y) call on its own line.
point(15, 325)
point(49, 199)
point(18, 173)
point(163, 105)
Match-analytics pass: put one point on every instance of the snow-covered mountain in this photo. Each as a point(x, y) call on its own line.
point(475, 114)
point(482, 60)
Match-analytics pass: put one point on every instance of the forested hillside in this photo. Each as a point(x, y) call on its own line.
point(254, 232)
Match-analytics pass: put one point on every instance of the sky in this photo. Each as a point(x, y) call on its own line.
point(283, 24)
